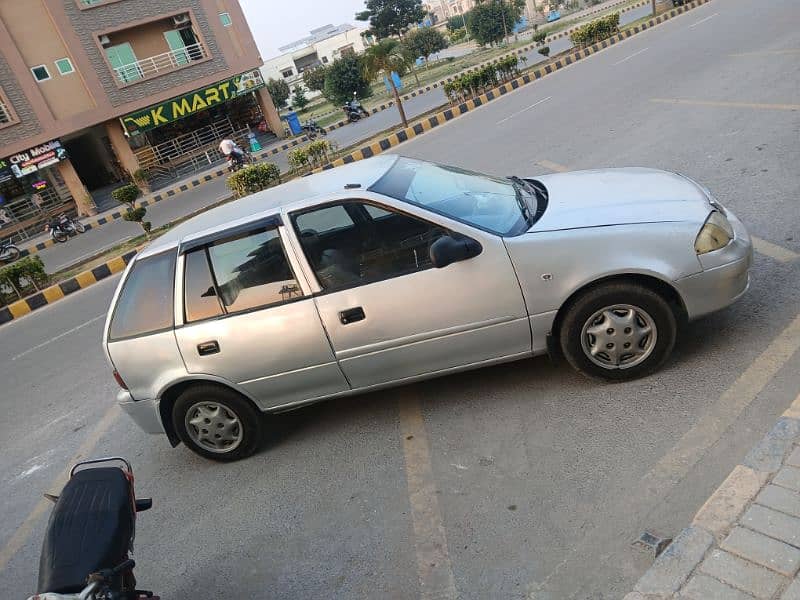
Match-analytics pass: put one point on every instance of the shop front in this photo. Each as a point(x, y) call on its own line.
point(186, 130)
point(33, 187)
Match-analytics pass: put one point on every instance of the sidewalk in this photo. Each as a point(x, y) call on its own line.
point(744, 542)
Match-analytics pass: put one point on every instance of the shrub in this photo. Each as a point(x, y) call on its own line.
point(298, 158)
point(299, 100)
point(127, 194)
point(544, 50)
point(254, 178)
point(22, 274)
point(457, 35)
point(539, 37)
point(596, 30)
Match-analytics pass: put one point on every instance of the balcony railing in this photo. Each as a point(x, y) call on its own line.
point(160, 63)
point(5, 114)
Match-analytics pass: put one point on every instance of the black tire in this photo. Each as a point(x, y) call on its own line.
point(10, 254)
point(60, 236)
point(250, 419)
point(643, 299)
point(79, 227)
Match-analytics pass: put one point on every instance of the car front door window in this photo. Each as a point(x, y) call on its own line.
point(354, 243)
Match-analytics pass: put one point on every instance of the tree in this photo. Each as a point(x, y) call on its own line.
point(344, 76)
point(383, 58)
point(279, 90)
point(457, 22)
point(389, 18)
point(315, 78)
point(299, 101)
point(410, 57)
point(490, 21)
point(127, 194)
point(424, 42)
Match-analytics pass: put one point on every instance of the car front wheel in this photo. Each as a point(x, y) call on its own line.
point(217, 423)
point(618, 331)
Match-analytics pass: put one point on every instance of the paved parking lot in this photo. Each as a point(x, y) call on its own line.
point(518, 481)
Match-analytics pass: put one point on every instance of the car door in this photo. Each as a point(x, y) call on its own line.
point(390, 315)
point(247, 319)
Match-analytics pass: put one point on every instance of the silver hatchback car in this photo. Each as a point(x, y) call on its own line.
point(392, 270)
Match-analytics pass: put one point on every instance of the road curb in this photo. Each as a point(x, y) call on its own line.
point(95, 222)
point(61, 290)
point(720, 514)
point(439, 118)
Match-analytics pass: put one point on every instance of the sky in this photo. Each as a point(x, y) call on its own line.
point(275, 23)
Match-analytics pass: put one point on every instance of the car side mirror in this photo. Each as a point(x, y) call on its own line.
point(447, 250)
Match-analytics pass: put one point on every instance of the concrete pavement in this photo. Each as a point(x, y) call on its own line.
point(540, 478)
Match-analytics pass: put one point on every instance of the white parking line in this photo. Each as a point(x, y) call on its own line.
point(619, 62)
point(58, 337)
point(779, 253)
point(519, 112)
point(703, 20)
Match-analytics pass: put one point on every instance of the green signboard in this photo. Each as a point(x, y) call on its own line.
point(191, 103)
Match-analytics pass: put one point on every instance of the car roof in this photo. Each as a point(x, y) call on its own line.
point(364, 173)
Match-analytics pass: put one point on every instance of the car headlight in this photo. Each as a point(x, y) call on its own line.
point(715, 234)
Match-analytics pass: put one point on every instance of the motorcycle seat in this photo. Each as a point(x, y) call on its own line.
point(91, 528)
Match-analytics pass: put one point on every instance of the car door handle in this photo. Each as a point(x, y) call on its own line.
point(206, 348)
point(351, 315)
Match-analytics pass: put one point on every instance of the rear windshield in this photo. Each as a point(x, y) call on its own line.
point(145, 304)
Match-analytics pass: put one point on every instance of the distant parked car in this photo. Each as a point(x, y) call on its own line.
point(554, 15)
point(390, 270)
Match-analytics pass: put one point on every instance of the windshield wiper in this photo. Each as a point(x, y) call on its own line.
point(519, 185)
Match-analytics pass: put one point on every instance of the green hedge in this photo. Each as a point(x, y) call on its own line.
point(474, 82)
point(21, 278)
point(596, 31)
point(254, 178)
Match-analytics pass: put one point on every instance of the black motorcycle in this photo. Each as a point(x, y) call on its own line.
point(239, 160)
point(8, 252)
point(89, 538)
point(312, 129)
point(354, 111)
point(62, 227)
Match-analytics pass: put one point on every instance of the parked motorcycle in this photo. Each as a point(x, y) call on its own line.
point(62, 227)
point(8, 252)
point(312, 129)
point(86, 553)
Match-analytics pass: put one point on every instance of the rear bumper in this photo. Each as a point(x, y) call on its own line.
point(143, 412)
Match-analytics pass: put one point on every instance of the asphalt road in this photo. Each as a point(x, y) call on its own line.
point(80, 247)
point(537, 478)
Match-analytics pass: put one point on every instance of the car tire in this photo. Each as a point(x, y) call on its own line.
point(234, 426)
point(604, 332)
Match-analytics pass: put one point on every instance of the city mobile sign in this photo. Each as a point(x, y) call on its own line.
point(32, 159)
point(191, 103)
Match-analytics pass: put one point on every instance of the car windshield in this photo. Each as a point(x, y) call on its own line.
point(495, 205)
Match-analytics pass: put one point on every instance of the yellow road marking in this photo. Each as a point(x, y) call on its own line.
point(721, 104)
point(52, 294)
point(19, 309)
point(691, 448)
point(552, 166)
point(433, 560)
point(768, 52)
point(24, 531)
point(779, 253)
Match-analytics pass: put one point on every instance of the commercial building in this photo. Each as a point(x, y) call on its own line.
point(92, 91)
point(321, 47)
point(442, 10)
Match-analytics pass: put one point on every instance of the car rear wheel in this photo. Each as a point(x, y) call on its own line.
point(618, 331)
point(217, 423)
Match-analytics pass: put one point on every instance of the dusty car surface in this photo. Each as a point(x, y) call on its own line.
point(392, 270)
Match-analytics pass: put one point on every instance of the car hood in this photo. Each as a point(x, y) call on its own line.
point(602, 197)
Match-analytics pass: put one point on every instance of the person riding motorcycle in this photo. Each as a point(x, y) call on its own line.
point(54, 224)
point(232, 150)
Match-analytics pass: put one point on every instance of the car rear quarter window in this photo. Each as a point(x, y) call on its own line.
point(145, 304)
point(200, 294)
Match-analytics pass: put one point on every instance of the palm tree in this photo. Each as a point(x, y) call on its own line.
point(383, 58)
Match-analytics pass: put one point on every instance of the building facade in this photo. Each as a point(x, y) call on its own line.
point(95, 91)
point(442, 10)
point(321, 47)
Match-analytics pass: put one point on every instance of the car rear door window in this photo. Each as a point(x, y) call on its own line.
point(200, 293)
point(145, 304)
point(251, 271)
